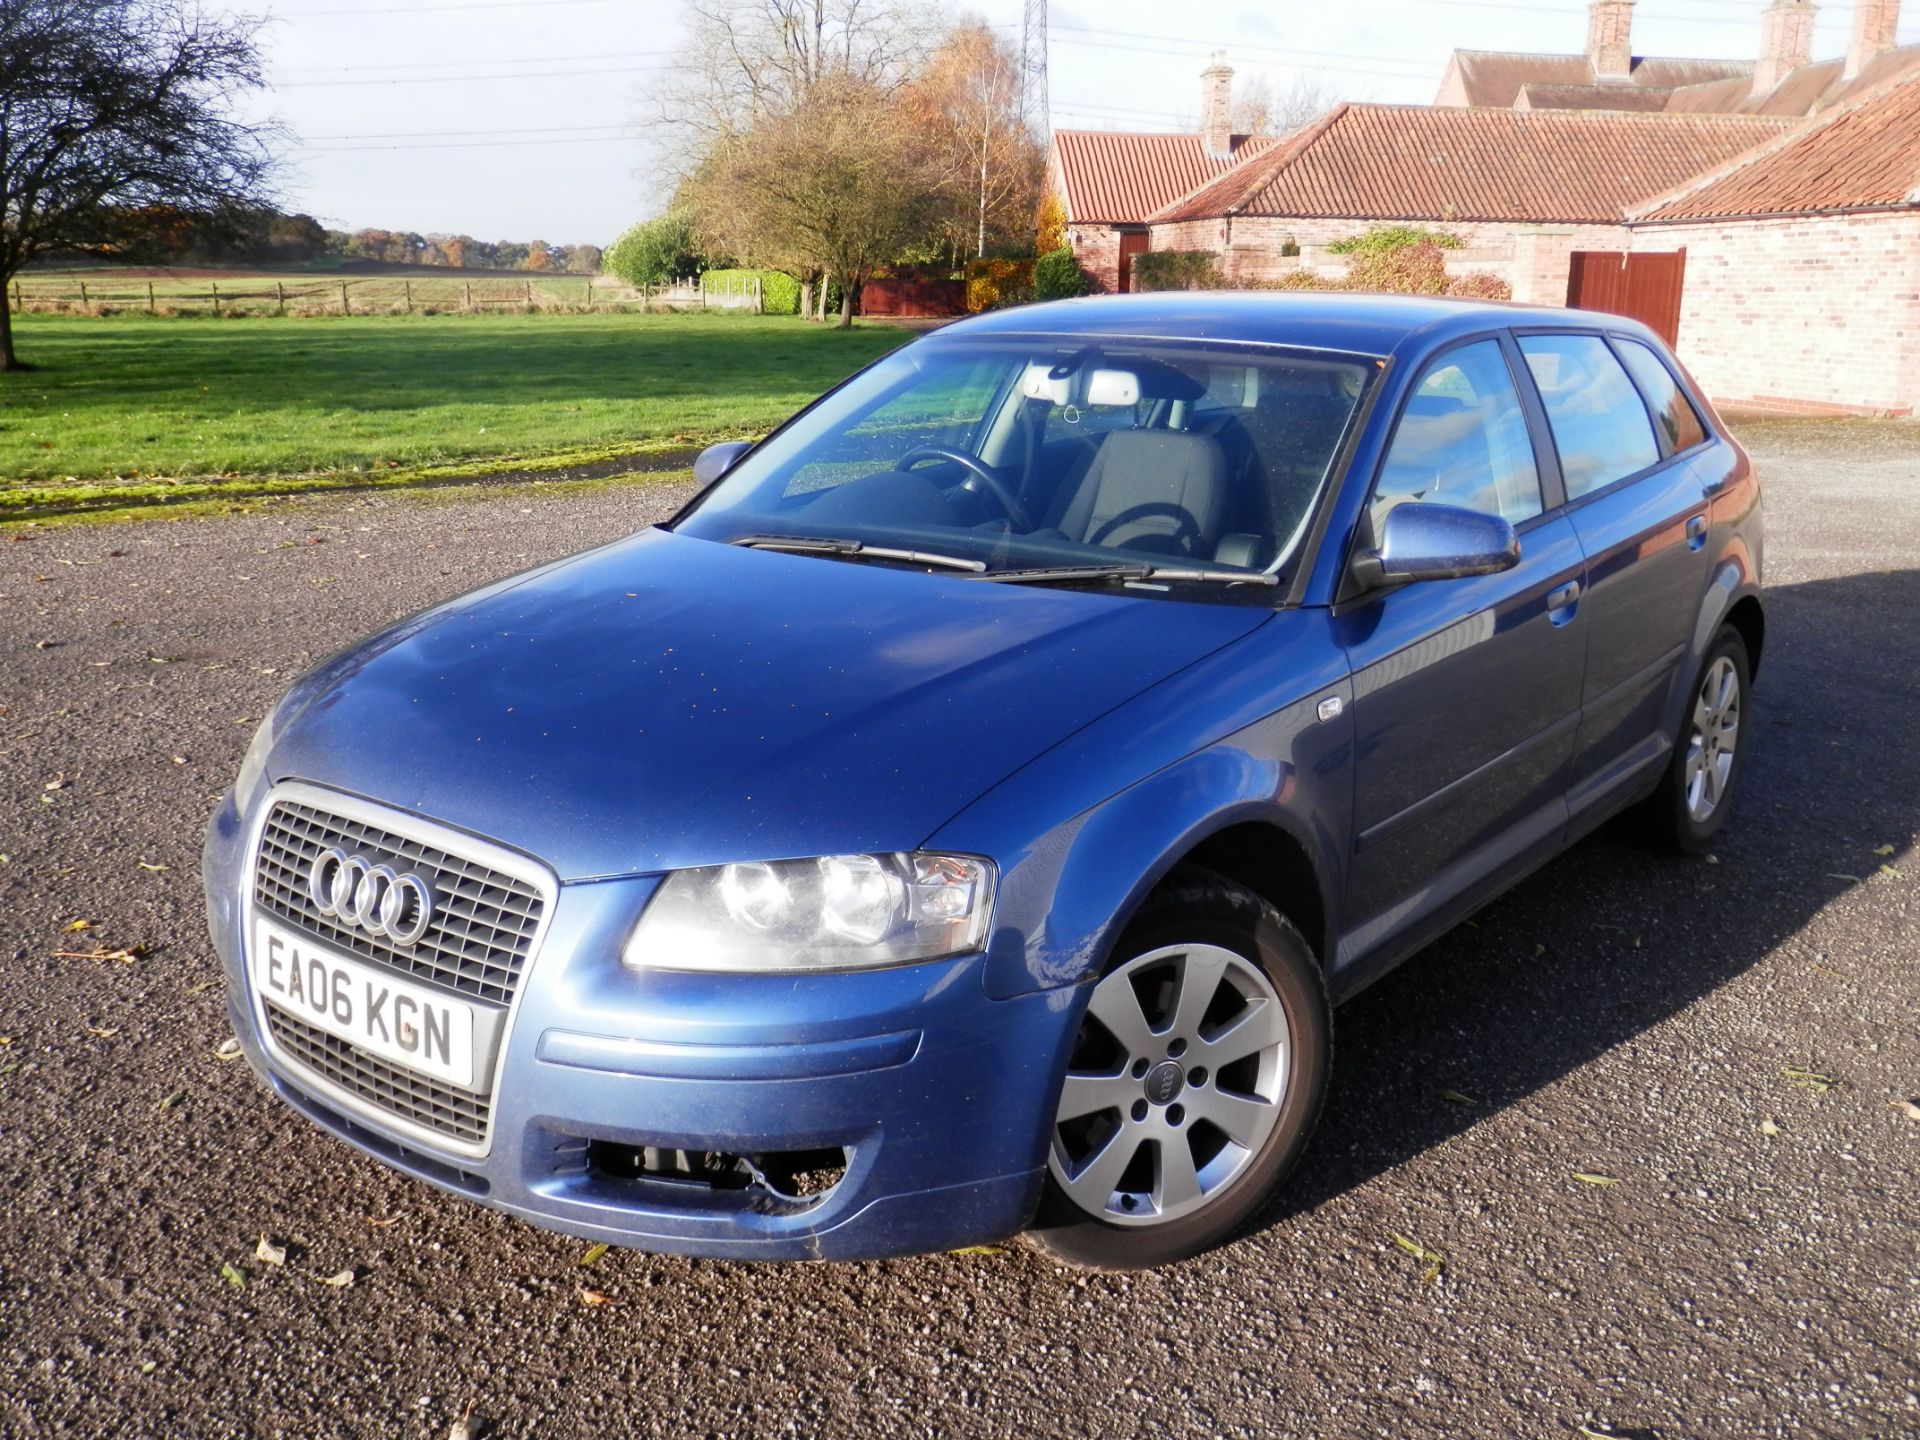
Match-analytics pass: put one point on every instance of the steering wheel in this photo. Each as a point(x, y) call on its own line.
point(977, 470)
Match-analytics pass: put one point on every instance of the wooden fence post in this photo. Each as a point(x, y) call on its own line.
point(589, 292)
point(759, 295)
point(150, 297)
point(468, 304)
point(216, 297)
point(280, 297)
point(16, 294)
point(407, 286)
point(529, 292)
point(345, 308)
point(83, 294)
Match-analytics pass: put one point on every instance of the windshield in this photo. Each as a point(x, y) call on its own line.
point(1056, 457)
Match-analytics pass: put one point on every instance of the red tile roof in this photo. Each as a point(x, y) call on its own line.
point(1414, 162)
point(1496, 77)
point(1123, 178)
point(1863, 156)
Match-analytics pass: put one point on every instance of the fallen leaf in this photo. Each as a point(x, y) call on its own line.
point(1806, 1078)
point(75, 926)
point(463, 1427)
point(227, 1049)
point(594, 1252)
point(383, 1224)
point(1587, 1177)
point(268, 1253)
point(1767, 1127)
point(201, 988)
point(155, 868)
point(172, 1100)
point(1432, 1259)
point(1836, 875)
point(102, 1034)
point(979, 1250)
point(1888, 870)
point(339, 1281)
point(1538, 951)
point(1454, 1097)
point(232, 1276)
point(1883, 850)
point(147, 1367)
point(1908, 1108)
point(596, 1297)
point(1713, 859)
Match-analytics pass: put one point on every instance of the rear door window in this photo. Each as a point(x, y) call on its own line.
point(1600, 424)
point(1462, 440)
point(1680, 427)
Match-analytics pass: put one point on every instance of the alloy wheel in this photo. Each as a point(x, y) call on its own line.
point(1715, 732)
point(1175, 1083)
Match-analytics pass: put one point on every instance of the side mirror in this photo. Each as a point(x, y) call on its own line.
point(716, 460)
point(1422, 541)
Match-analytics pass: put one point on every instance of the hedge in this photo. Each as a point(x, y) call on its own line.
point(992, 284)
point(779, 291)
point(1057, 276)
point(1177, 270)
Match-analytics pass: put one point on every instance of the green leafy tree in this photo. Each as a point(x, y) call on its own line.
point(655, 251)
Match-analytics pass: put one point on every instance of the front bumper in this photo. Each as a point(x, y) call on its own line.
point(938, 1095)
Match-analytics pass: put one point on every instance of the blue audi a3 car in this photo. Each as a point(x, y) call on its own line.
point(962, 818)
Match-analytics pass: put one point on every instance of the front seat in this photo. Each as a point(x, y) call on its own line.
point(1161, 490)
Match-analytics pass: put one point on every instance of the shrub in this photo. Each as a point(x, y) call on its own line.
point(1479, 285)
point(779, 291)
point(1419, 269)
point(1057, 276)
point(1382, 239)
point(653, 252)
point(1177, 270)
point(994, 284)
point(1050, 225)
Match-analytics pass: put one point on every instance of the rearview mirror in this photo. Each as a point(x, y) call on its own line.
point(1423, 541)
point(716, 460)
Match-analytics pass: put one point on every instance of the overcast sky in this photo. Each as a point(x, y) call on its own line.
point(512, 119)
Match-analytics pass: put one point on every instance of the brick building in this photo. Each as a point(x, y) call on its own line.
point(1802, 290)
point(1110, 181)
point(1522, 189)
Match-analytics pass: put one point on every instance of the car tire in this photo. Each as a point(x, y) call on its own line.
point(1221, 1058)
point(1702, 778)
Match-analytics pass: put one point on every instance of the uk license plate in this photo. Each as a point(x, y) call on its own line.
point(413, 1026)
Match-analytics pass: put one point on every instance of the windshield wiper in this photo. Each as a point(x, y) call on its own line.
point(813, 545)
point(1130, 572)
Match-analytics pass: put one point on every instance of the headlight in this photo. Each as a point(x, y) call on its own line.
point(253, 765)
point(839, 912)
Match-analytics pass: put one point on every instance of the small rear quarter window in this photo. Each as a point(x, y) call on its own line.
point(1679, 423)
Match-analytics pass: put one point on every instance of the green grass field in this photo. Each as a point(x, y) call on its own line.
point(133, 400)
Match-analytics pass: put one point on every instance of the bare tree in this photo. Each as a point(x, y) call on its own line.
point(967, 100)
point(1258, 109)
point(743, 62)
point(831, 187)
point(114, 113)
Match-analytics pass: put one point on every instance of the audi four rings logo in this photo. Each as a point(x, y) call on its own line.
point(375, 898)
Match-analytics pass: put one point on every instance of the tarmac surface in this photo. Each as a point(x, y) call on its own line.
point(1755, 1270)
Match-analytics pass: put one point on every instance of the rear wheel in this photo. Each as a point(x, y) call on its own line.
point(1197, 1073)
point(1697, 791)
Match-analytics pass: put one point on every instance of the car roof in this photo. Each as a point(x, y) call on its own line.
point(1375, 325)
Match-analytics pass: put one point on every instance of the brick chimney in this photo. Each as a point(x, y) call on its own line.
point(1216, 106)
point(1786, 42)
point(1875, 24)
point(1610, 39)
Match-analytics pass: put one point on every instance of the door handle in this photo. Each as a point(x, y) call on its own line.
point(1563, 597)
point(1696, 532)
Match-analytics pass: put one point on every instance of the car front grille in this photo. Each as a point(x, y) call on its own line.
point(414, 1098)
point(484, 919)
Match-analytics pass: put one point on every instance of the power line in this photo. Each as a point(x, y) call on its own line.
point(444, 9)
point(458, 79)
point(449, 134)
point(462, 145)
point(453, 64)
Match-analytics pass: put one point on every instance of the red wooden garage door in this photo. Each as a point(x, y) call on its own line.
point(1643, 285)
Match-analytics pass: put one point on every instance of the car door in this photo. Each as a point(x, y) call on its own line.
point(1466, 692)
point(1627, 441)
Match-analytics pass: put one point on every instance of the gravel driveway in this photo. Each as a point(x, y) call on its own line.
point(1755, 1270)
